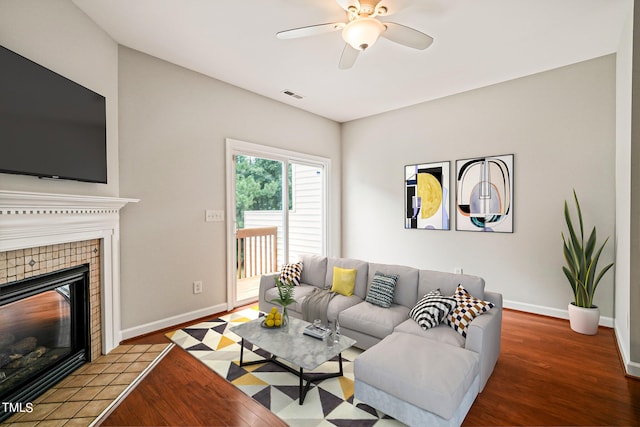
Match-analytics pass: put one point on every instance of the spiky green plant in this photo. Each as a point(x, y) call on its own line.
point(582, 260)
point(285, 292)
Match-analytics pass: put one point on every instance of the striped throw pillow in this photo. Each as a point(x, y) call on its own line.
point(432, 309)
point(382, 289)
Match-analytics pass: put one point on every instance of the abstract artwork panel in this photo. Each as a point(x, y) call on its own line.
point(427, 196)
point(484, 194)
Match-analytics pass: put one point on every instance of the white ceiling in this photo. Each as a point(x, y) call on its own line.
point(477, 43)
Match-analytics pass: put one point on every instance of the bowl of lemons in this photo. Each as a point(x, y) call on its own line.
point(273, 319)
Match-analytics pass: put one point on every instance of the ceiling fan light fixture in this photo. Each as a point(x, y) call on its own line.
point(362, 33)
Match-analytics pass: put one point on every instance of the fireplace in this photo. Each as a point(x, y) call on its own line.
point(44, 235)
point(44, 333)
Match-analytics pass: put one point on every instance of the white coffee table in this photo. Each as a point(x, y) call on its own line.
point(294, 347)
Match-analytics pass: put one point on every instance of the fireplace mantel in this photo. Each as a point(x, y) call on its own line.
point(37, 219)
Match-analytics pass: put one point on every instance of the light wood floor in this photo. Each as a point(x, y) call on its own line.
point(546, 375)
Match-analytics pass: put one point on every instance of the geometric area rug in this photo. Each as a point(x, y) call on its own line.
point(328, 403)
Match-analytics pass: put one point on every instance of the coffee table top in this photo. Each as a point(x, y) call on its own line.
point(292, 345)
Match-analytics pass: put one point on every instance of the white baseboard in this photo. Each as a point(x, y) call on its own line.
point(550, 311)
point(172, 321)
point(632, 368)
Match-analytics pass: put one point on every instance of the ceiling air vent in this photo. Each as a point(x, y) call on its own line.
point(292, 94)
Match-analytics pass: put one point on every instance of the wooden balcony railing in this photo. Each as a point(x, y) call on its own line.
point(257, 251)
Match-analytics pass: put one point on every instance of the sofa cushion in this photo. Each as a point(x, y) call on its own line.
point(448, 282)
point(372, 319)
point(361, 267)
point(315, 270)
point(339, 303)
point(381, 289)
point(467, 308)
point(442, 333)
point(344, 281)
point(432, 377)
point(407, 287)
point(290, 273)
point(432, 309)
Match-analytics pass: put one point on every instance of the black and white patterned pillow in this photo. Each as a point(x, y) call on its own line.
point(432, 308)
point(291, 273)
point(382, 288)
point(467, 308)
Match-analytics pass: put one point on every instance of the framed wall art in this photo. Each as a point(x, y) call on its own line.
point(427, 196)
point(484, 194)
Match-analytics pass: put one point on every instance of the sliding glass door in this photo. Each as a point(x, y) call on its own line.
point(278, 202)
point(259, 221)
point(306, 223)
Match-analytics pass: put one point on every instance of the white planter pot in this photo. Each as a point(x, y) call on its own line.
point(584, 320)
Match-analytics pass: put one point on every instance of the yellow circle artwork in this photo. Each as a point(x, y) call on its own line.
point(430, 190)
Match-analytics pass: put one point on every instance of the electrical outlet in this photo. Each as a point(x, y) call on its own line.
point(197, 287)
point(457, 270)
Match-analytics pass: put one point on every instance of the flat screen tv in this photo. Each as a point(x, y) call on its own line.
point(50, 126)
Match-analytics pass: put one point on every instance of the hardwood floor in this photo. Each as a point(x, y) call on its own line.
point(182, 391)
point(547, 375)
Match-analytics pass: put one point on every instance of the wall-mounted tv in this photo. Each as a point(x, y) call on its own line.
point(50, 126)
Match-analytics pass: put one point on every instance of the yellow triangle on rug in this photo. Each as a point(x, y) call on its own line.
point(248, 379)
point(225, 342)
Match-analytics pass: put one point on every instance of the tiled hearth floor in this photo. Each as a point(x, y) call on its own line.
point(93, 390)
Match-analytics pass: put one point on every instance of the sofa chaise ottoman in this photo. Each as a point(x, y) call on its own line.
point(415, 383)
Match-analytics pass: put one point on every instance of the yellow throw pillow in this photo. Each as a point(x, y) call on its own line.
point(344, 281)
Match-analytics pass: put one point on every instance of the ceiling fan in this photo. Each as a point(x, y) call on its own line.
point(362, 30)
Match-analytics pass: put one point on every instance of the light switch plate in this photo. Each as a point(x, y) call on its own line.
point(211, 215)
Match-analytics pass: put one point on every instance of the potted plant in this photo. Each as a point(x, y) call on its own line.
point(581, 271)
point(285, 294)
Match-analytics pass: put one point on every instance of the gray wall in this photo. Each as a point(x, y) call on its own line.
point(560, 125)
point(173, 125)
point(627, 277)
point(626, 229)
point(634, 300)
point(57, 35)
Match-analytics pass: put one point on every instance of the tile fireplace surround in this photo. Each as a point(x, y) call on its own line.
point(25, 263)
point(40, 233)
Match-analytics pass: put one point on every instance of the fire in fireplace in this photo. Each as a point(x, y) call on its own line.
point(44, 334)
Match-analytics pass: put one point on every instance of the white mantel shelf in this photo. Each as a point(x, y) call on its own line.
point(16, 202)
point(40, 219)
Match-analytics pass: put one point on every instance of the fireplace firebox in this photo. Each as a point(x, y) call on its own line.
point(44, 334)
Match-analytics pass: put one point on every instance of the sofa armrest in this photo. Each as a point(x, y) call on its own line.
point(483, 337)
point(493, 297)
point(267, 281)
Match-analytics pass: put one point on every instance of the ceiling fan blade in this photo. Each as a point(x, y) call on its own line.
point(346, 4)
point(406, 36)
point(311, 30)
point(348, 57)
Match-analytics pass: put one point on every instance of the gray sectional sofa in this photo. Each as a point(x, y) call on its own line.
point(420, 377)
